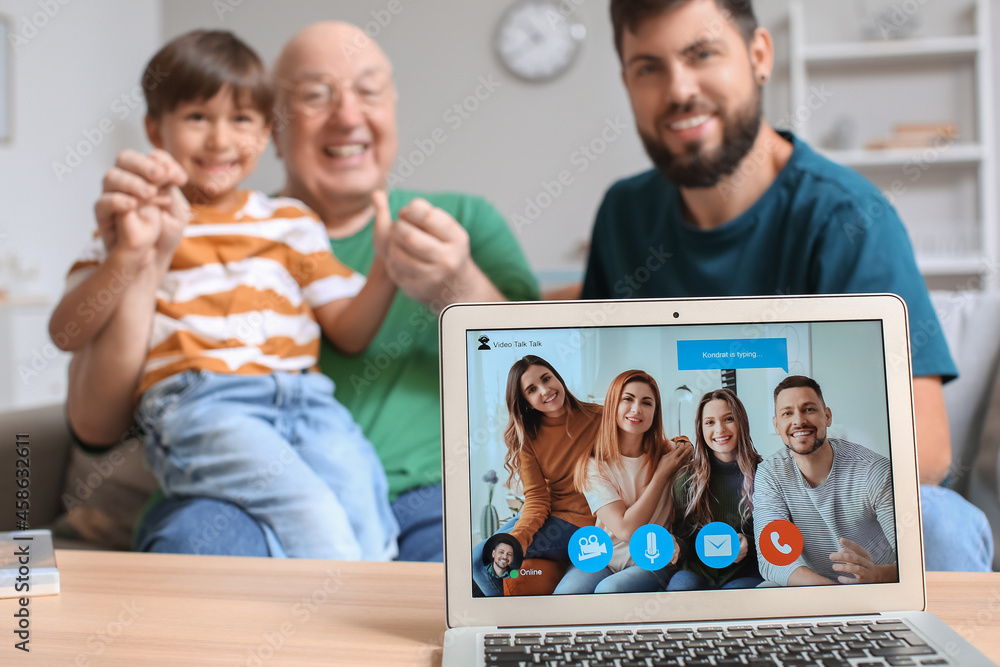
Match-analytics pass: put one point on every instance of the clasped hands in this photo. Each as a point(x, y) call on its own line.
point(426, 251)
point(141, 214)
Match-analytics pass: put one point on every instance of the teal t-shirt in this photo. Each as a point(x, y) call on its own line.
point(820, 228)
point(391, 389)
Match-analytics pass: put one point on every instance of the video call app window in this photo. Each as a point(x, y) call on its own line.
point(561, 466)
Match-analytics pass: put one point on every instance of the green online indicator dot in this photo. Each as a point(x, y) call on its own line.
point(513, 575)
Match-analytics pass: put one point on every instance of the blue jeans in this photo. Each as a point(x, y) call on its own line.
point(421, 524)
point(214, 528)
point(280, 447)
point(204, 527)
point(957, 535)
point(551, 542)
point(686, 580)
point(632, 579)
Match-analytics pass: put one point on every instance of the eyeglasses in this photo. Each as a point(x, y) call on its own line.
point(322, 93)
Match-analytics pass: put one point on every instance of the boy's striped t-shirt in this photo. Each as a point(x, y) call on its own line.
point(239, 294)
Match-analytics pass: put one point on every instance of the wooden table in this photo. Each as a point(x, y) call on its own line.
point(148, 609)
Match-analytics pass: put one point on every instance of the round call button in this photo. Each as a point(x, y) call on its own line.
point(780, 542)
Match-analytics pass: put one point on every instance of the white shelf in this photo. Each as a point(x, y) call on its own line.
point(950, 266)
point(946, 247)
point(957, 153)
point(902, 49)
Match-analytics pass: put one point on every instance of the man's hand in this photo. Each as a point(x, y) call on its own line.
point(141, 213)
point(803, 576)
point(856, 562)
point(427, 254)
point(382, 232)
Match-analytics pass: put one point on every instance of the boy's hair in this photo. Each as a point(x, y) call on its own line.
point(196, 65)
point(629, 14)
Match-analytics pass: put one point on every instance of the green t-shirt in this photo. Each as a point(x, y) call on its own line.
point(391, 389)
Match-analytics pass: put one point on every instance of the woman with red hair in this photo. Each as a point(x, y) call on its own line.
point(626, 482)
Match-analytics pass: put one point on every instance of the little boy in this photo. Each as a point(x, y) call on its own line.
point(231, 398)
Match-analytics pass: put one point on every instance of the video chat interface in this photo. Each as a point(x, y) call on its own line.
point(687, 361)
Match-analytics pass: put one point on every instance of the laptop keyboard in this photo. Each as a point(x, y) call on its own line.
point(851, 643)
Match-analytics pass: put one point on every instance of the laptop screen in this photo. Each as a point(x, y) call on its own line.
point(672, 458)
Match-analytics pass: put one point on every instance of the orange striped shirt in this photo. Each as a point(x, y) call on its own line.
point(239, 294)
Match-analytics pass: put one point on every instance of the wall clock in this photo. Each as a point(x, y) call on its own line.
point(539, 39)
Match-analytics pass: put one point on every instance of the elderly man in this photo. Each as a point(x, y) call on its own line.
point(336, 132)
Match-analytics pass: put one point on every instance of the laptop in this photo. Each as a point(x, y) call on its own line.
point(856, 347)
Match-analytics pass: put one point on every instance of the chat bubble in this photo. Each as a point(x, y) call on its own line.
point(697, 355)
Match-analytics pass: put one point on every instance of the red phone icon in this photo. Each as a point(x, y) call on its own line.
point(780, 542)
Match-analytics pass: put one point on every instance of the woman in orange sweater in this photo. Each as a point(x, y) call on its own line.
point(549, 431)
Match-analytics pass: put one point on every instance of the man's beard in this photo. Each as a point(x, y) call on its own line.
point(705, 169)
point(817, 444)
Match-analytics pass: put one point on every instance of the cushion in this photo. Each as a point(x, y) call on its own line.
point(971, 324)
point(104, 495)
point(984, 490)
point(539, 577)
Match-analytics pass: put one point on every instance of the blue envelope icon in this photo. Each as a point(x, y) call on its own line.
point(718, 546)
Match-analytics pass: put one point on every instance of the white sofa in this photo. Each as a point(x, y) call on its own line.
point(971, 323)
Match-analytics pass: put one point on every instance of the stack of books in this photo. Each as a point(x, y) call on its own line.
point(27, 564)
point(917, 136)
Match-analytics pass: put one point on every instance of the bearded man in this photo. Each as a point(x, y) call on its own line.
point(734, 207)
point(837, 493)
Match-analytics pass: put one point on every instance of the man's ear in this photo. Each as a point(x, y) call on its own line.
point(761, 49)
point(153, 132)
point(829, 417)
point(774, 420)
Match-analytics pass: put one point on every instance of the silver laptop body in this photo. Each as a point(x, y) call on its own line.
point(855, 346)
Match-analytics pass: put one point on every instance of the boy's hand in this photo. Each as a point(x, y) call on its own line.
point(176, 212)
point(141, 212)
